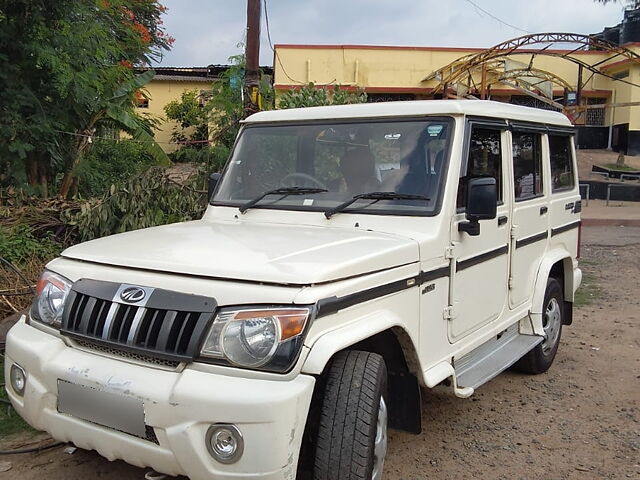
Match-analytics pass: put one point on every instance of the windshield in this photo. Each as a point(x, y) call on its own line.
point(345, 159)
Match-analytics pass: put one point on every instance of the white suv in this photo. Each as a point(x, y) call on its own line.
point(350, 257)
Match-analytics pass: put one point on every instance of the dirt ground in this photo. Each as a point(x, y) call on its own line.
point(580, 420)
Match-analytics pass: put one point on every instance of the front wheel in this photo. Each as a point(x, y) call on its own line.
point(541, 357)
point(352, 431)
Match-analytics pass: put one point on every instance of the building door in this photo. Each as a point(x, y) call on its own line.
point(481, 262)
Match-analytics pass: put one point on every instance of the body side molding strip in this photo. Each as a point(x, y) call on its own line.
point(565, 228)
point(523, 242)
point(483, 257)
point(330, 305)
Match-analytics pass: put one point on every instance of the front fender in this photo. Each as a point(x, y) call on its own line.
point(330, 343)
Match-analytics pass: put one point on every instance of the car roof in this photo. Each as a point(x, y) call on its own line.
point(416, 108)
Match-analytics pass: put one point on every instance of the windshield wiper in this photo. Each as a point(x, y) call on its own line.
point(284, 191)
point(376, 197)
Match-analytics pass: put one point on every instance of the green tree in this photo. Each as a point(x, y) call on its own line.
point(215, 114)
point(66, 75)
point(627, 3)
point(191, 115)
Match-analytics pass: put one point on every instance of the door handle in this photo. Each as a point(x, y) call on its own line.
point(543, 210)
point(502, 220)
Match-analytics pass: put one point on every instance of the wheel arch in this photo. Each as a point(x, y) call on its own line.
point(394, 344)
point(557, 264)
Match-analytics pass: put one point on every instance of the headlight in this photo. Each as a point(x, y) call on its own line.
point(261, 338)
point(51, 293)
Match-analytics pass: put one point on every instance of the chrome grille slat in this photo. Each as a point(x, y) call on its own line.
point(135, 325)
point(107, 324)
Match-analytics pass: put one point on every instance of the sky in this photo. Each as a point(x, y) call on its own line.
point(209, 31)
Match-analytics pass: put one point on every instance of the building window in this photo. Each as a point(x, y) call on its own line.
point(621, 75)
point(595, 116)
point(562, 175)
point(527, 165)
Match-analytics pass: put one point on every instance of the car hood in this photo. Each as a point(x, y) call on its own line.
point(272, 253)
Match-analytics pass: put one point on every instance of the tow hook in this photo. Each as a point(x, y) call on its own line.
point(153, 475)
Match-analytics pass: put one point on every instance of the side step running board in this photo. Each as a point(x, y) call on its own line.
point(493, 357)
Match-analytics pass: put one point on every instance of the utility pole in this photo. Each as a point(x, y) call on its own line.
point(252, 58)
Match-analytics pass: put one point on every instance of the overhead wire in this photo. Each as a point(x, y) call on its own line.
point(478, 7)
point(275, 53)
point(98, 137)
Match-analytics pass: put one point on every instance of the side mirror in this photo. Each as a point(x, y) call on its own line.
point(482, 201)
point(213, 181)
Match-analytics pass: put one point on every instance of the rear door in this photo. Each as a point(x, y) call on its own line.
point(530, 209)
point(564, 203)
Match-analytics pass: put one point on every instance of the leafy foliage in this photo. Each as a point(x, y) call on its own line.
point(627, 3)
point(65, 74)
point(213, 157)
point(191, 117)
point(215, 114)
point(147, 200)
point(111, 162)
point(312, 96)
point(19, 245)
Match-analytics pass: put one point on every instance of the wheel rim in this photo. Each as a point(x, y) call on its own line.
point(380, 443)
point(552, 322)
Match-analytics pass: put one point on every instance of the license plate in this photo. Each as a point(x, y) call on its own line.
point(108, 409)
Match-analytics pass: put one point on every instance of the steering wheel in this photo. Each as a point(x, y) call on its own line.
point(298, 179)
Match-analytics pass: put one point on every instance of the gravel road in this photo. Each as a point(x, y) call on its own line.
point(580, 420)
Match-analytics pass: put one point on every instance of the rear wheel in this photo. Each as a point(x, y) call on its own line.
point(541, 357)
point(352, 432)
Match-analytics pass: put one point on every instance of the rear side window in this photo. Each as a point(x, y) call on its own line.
point(562, 174)
point(527, 165)
point(485, 160)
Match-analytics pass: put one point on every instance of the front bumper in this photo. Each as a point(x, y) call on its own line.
point(179, 406)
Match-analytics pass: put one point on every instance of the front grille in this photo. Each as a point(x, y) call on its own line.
point(136, 357)
point(164, 324)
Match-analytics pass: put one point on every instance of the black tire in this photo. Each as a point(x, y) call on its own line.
point(541, 357)
point(355, 384)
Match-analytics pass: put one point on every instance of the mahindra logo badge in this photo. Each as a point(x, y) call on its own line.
point(132, 294)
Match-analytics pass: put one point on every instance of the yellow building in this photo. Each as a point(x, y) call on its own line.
point(404, 73)
point(168, 84)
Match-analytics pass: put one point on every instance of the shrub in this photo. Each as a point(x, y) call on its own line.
point(212, 158)
point(312, 96)
point(19, 245)
point(110, 162)
point(146, 200)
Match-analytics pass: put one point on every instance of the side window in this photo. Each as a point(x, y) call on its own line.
point(527, 165)
point(562, 174)
point(485, 160)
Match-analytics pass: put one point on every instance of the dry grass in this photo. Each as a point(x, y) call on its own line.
point(16, 290)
